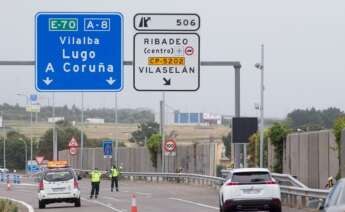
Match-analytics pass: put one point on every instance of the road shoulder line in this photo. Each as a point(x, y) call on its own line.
point(29, 207)
point(195, 203)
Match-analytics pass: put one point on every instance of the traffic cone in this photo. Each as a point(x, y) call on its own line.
point(134, 204)
point(9, 186)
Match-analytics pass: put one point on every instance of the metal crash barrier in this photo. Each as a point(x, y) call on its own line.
point(294, 193)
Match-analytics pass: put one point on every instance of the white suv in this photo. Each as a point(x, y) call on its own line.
point(58, 185)
point(250, 189)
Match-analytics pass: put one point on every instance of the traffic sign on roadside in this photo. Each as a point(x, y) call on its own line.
point(108, 149)
point(79, 52)
point(166, 62)
point(73, 146)
point(166, 22)
point(170, 147)
point(39, 159)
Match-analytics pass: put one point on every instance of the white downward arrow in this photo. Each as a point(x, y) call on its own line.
point(47, 81)
point(110, 81)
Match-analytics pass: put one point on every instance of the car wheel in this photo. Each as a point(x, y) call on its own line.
point(77, 202)
point(41, 204)
point(276, 210)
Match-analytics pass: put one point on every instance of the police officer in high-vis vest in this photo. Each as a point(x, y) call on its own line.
point(114, 174)
point(95, 181)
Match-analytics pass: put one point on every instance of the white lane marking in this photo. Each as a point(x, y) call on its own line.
point(111, 198)
point(29, 207)
point(195, 203)
point(103, 204)
point(140, 193)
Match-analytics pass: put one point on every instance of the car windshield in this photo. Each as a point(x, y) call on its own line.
point(251, 177)
point(54, 176)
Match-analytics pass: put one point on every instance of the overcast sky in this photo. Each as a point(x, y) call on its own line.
point(304, 53)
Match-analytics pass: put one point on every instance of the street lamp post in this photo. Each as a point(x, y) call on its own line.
point(260, 66)
point(27, 102)
point(26, 154)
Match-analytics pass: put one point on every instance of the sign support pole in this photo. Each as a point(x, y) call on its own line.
point(115, 131)
point(31, 132)
point(55, 145)
point(82, 131)
point(162, 115)
point(237, 112)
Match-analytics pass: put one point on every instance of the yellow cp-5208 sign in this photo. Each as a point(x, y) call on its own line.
point(166, 60)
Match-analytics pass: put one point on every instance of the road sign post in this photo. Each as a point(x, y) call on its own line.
point(79, 51)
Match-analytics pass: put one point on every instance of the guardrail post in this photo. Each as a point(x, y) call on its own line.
point(303, 201)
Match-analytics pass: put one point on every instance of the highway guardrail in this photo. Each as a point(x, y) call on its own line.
point(294, 193)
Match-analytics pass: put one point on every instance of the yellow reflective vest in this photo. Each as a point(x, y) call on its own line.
point(96, 176)
point(114, 172)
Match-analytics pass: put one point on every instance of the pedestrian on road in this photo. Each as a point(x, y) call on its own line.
point(114, 174)
point(95, 181)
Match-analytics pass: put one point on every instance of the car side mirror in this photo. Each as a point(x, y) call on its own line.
point(79, 177)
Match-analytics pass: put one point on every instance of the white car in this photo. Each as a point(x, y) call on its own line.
point(58, 185)
point(250, 189)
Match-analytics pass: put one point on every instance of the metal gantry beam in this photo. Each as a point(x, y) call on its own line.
point(237, 67)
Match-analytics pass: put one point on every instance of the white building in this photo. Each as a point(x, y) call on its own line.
point(55, 119)
point(94, 121)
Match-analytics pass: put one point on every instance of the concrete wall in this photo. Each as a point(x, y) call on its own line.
point(194, 158)
point(311, 157)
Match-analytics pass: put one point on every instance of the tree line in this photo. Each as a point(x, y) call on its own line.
point(16, 112)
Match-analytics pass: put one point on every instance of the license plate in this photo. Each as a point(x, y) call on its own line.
point(251, 191)
point(58, 189)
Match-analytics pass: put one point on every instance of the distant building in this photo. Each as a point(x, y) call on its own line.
point(212, 119)
point(55, 119)
point(94, 121)
point(197, 118)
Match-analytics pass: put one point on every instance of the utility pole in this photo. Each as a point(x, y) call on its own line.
point(4, 147)
point(162, 123)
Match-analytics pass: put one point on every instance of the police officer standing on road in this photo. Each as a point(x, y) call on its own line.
point(95, 181)
point(114, 174)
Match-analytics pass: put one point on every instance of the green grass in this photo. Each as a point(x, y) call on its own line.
point(8, 206)
point(123, 132)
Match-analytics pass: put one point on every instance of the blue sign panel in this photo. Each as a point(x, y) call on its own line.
point(79, 52)
point(108, 149)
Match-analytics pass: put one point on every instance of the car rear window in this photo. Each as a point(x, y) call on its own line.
point(54, 176)
point(251, 177)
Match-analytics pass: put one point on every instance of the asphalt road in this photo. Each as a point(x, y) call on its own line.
point(150, 198)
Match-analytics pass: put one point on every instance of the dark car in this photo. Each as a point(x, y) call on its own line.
point(335, 201)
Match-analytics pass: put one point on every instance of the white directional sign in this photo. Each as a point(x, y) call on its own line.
point(166, 22)
point(166, 62)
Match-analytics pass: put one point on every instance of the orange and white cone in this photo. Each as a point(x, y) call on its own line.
point(134, 204)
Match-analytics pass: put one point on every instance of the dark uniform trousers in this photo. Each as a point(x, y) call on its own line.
point(114, 180)
point(94, 188)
